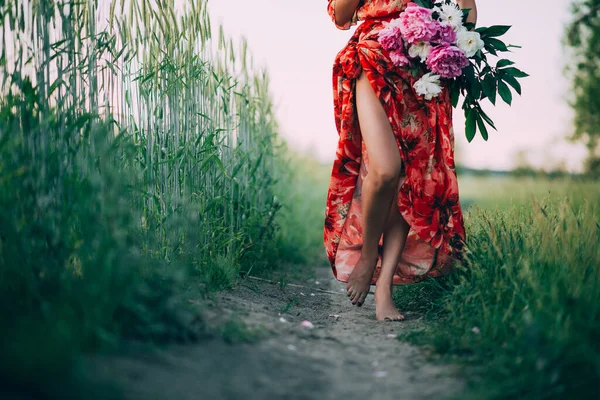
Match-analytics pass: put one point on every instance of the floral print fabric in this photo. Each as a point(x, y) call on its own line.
point(428, 188)
point(369, 9)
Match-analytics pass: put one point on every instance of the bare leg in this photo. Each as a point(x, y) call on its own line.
point(394, 238)
point(379, 186)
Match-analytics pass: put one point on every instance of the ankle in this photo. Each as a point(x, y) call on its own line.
point(383, 290)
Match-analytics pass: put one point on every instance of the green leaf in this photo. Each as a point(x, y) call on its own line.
point(481, 125)
point(496, 44)
point(487, 118)
point(470, 125)
point(424, 3)
point(494, 30)
point(489, 88)
point(469, 73)
point(504, 92)
point(414, 71)
point(504, 63)
point(512, 81)
point(491, 49)
point(465, 12)
point(469, 26)
point(517, 73)
point(454, 93)
point(476, 89)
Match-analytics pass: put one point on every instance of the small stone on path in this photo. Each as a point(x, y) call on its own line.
point(307, 324)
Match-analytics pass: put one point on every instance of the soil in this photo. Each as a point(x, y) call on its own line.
point(346, 355)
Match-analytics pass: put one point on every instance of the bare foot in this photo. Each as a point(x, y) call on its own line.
point(359, 282)
point(385, 310)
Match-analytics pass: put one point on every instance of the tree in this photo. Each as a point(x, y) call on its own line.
point(582, 38)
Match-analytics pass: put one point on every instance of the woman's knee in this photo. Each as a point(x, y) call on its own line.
point(384, 177)
point(385, 166)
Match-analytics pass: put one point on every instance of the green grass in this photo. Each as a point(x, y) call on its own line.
point(505, 192)
point(300, 221)
point(525, 307)
point(234, 330)
point(132, 165)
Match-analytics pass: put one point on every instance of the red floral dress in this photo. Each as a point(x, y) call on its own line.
point(427, 190)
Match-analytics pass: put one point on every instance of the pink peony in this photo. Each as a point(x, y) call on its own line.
point(445, 34)
point(390, 37)
point(447, 61)
point(417, 25)
point(398, 58)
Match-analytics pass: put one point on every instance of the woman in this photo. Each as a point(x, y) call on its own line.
point(392, 214)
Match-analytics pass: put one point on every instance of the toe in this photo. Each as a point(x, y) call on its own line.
point(351, 294)
point(362, 298)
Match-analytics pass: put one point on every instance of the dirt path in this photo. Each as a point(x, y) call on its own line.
point(347, 357)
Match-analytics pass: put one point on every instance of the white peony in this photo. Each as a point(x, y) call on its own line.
point(421, 50)
point(450, 14)
point(470, 42)
point(428, 86)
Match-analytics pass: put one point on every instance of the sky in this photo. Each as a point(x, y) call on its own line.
point(296, 42)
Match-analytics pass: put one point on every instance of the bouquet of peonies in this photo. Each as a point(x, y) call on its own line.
point(433, 38)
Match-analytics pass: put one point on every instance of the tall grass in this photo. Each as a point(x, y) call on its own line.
point(204, 122)
point(135, 150)
point(526, 305)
